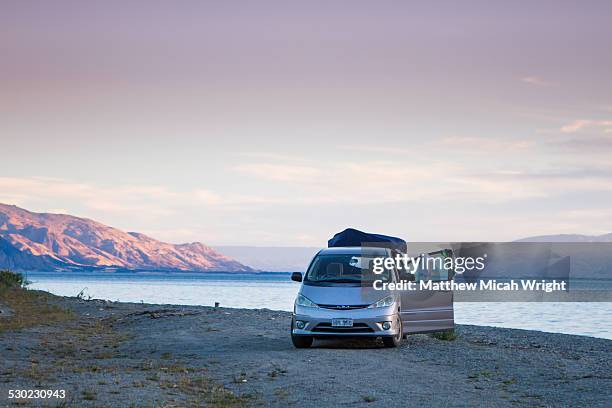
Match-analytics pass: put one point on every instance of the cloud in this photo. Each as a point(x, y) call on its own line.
point(57, 211)
point(140, 201)
point(40, 194)
point(271, 156)
point(342, 181)
point(601, 144)
point(207, 197)
point(485, 145)
point(473, 144)
point(537, 81)
point(607, 108)
point(175, 235)
point(586, 221)
point(499, 187)
point(280, 172)
point(386, 181)
point(575, 126)
point(336, 190)
point(581, 124)
point(395, 150)
point(594, 135)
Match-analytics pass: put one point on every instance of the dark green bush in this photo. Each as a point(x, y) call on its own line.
point(448, 335)
point(10, 279)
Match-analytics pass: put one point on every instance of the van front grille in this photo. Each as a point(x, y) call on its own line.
point(328, 328)
point(343, 307)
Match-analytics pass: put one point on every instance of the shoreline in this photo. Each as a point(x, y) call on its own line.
point(151, 289)
point(602, 336)
point(173, 355)
point(85, 272)
point(265, 309)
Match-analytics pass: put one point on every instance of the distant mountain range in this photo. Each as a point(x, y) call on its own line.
point(35, 241)
point(40, 241)
point(568, 238)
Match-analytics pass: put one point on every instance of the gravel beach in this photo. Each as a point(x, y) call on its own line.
point(119, 354)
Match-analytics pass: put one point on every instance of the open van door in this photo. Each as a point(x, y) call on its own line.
point(424, 310)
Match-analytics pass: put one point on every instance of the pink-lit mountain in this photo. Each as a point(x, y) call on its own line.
point(41, 241)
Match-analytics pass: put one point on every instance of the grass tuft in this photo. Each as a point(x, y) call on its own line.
point(449, 335)
point(368, 398)
point(89, 395)
point(207, 391)
point(29, 308)
point(10, 279)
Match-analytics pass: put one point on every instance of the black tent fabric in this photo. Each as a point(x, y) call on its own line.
point(353, 237)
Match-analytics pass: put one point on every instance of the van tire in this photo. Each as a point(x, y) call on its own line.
point(394, 341)
point(301, 341)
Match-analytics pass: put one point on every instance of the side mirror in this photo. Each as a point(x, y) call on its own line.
point(296, 276)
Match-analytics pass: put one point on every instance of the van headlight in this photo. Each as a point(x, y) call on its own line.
point(384, 302)
point(304, 301)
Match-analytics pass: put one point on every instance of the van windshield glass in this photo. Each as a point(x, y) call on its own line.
point(352, 269)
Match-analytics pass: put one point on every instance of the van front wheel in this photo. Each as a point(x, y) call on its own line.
point(395, 340)
point(301, 341)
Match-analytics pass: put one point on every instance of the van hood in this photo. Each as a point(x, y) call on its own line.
point(343, 295)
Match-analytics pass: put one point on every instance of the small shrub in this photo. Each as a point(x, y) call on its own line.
point(281, 393)
point(10, 279)
point(29, 308)
point(449, 335)
point(476, 376)
point(88, 395)
point(242, 378)
point(276, 371)
point(153, 377)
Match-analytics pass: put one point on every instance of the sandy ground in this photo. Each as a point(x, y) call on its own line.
point(116, 354)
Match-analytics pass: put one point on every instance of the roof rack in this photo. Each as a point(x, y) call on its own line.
point(351, 237)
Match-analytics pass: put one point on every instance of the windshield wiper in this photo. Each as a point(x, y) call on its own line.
point(340, 280)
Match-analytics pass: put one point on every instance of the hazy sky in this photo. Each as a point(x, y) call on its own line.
point(280, 123)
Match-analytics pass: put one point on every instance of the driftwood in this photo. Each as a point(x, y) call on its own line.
point(5, 311)
point(159, 313)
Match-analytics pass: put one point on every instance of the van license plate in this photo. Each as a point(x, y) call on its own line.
point(342, 322)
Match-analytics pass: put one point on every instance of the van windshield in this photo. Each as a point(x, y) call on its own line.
point(345, 269)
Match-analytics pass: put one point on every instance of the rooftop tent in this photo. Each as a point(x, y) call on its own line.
point(353, 237)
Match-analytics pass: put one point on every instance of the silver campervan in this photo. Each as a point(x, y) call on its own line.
point(337, 298)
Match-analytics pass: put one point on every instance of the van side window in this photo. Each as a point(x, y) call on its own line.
point(433, 268)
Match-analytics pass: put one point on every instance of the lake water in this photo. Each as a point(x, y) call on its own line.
point(277, 292)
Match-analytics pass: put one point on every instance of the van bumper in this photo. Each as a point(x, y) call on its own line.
point(366, 322)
